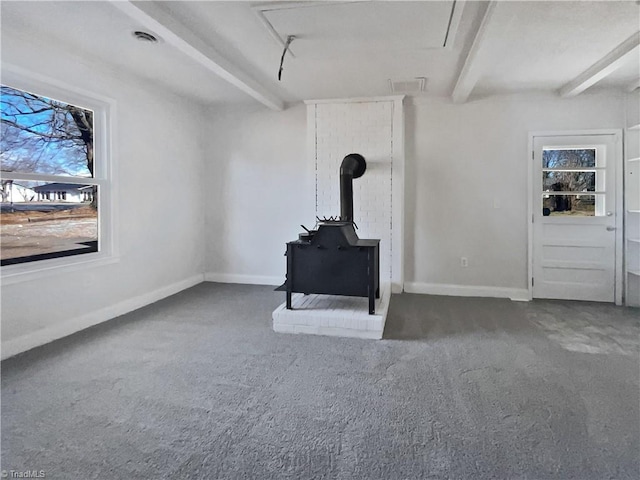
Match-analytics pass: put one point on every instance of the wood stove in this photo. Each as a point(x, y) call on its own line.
point(331, 259)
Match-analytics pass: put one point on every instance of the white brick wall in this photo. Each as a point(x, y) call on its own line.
point(365, 128)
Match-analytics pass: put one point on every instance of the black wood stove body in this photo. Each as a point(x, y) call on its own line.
point(331, 259)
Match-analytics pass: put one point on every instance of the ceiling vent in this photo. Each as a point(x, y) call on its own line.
point(145, 37)
point(413, 85)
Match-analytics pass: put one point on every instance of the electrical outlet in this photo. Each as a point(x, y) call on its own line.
point(464, 262)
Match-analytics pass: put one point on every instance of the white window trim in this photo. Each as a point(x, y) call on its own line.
point(104, 113)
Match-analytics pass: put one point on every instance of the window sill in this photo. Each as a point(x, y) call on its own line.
point(25, 272)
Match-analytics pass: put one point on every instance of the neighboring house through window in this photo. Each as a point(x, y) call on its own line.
point(55, 176)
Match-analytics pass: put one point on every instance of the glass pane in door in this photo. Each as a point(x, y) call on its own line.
point(569, 158)
point(554, 205)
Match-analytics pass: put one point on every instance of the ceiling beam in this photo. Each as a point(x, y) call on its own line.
point(602, 68)
point(471, 70)
point(174, 33)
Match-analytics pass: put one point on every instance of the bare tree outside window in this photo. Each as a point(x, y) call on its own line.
point(40, 136)
point(573, 174)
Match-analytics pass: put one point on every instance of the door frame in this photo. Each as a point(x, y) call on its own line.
point(619, 253)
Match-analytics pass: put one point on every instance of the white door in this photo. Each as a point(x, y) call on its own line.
point(574, 217)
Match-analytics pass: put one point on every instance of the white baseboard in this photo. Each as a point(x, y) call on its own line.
point(46, 335)
point(246, 279)
point(515, 294)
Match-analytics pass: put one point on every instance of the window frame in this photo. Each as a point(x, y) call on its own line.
point(104, 172)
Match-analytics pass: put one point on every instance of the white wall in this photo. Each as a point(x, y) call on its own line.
point(466, 185)
point(461, 160)
point(259, 188)
point(247, 183)
point(159, 150)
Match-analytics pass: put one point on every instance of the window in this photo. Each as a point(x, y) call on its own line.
point(55, 185)
point(572, 182)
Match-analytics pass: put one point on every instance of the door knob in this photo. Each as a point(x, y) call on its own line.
point(610, 229)
point(609, 214)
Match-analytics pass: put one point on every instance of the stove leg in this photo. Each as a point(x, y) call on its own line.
point(289, 279)
point(372, 302)
point(370, 286)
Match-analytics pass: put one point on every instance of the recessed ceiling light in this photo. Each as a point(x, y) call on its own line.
point(145, 36)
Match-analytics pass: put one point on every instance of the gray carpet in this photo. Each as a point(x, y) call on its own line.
point(199, 386)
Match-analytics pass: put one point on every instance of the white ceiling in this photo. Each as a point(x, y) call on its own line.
point(98, 31)
point(328, 30)
point(544, 45)
point(225, 52)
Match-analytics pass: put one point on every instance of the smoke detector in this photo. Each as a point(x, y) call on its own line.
point(412, 85)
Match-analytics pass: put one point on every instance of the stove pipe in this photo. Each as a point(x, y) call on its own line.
point(353, 166)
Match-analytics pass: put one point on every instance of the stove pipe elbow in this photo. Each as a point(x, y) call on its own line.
point(353, 166)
